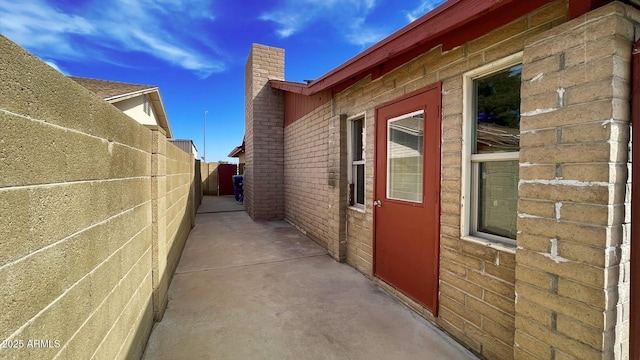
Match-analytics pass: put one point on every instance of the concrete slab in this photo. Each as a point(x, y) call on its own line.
point(262, 290)
point(225, 203)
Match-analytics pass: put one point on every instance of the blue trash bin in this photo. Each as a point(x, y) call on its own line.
point(238, 192)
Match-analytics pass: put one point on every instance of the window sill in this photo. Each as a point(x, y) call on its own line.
point(494, 245)
point(357, 209)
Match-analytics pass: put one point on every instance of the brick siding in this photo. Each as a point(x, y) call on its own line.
point(563, 293)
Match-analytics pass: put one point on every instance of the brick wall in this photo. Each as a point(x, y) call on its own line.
point(264, 134)
point(570, 270)
point(477, 297)
point(572, 261)
point(476, 282)
point(306, 174)
point(81, 218)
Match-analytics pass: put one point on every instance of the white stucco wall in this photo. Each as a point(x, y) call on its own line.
point(134, 107)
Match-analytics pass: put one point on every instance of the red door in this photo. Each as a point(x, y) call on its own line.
point(407, 195)
point(225, 178)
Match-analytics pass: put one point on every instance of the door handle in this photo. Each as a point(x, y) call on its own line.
point(377, 203)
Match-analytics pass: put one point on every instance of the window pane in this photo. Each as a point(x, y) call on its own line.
point(498, 198)
point(405, 157)
point(356, 133)
point(359, 188)
point(497, 111)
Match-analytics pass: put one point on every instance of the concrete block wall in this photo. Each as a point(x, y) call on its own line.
point(209, 175)
point(180, 205)
point(76, 216)
point(159, 220)
point(264, 134)
point(78, 189)
point(573, 256)
point(306, 175)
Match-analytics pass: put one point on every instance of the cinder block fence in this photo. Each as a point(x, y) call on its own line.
point(94, 212)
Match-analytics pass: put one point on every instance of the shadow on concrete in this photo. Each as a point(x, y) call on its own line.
point(216, 204)
point(262, 290)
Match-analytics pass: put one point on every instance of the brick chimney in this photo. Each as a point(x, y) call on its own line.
point(264, 142)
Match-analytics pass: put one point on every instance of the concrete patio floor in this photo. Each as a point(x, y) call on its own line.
point(262, 290)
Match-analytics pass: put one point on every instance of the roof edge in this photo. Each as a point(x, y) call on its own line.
point(430, 30)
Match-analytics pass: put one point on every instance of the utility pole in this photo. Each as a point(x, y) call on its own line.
point(204, 138)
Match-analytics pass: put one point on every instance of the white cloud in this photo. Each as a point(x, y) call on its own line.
point(347, 16)
point(158, 28)
point(424, 7)
point(55, 66)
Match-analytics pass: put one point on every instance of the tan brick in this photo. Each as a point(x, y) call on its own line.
point(533, 347)
point(501, 272)
point(596, 194)
point(479, 251)
point(447, 315)
point(605, 47)
point(503, 33)
point(604, 89)
point(461, 336)
point(586, 334)
point(490, 283)
point(543, 137)
point(461, 258)
point(491, 347)
point(556, 340)
point(454, 268)
point(597, 297)
point(537, 171)
point(533, 312)
point(541, 208)
point(534, 242)
point(573, 270)
point(532, 69)
point(559, 355)
point(507, 259)
point(460, 310)
point(452, 292)
point(594, 132)
point(573, 153)
point(504, 334)
point(507, 305)
point(460, 283)
point(486, 310)
point(562, 305)
point(595, 111)
point(534, 277)
point(555, 10)
point(593, 172)
point(521, 354)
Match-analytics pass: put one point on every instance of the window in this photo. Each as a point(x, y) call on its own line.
point(147, 105)
point(356, 146)
point(405, 157)
point(492, 145)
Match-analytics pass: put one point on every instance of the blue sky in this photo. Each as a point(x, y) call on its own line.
point(195, 50)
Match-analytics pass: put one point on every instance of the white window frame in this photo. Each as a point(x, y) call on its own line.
point(388, 175)
point(352, 178)
point(468, 227)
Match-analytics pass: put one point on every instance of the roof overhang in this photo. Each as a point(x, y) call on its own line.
point(236, 151)
point(450, 25)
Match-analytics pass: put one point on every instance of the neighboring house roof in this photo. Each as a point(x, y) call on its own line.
point(237, 150)
point(113, 92)
point(185, 145)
